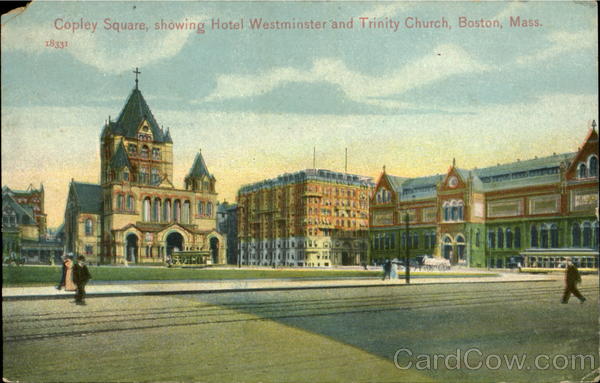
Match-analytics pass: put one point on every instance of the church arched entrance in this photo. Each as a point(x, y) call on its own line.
point(174, 243)
point(214, 250)
point(131, 249)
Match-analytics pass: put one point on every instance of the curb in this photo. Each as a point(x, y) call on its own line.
point(238, 290)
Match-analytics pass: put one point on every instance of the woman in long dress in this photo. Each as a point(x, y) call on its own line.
point(69, 285)
point(394, 273)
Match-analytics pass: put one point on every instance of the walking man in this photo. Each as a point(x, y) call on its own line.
point(387, 269)
point(572, 278)
point(81, 276)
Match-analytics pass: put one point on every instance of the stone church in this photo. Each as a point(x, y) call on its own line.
point(136, 214)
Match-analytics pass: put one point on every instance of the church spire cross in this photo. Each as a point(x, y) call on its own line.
point(137, 72)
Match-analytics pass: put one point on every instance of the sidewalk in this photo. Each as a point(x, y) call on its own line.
point(133, 288)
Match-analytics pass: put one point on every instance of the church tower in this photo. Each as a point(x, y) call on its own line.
point(199, 178)
point(134, 148)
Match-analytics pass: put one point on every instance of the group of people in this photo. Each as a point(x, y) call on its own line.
point(74, 277)
point(390, 270)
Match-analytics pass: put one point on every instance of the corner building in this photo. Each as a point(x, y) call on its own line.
point(311, 218)
point(536, 211)
point(136, 214)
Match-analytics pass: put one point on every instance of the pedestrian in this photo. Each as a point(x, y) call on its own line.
point(387, 269)
point(572, 278)
point(69, 285)
point(61, 284)
point(81, 276)
point(394, 270)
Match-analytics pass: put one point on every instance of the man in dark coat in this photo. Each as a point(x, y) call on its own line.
point(81, 276)
point(387, 269)
point(572, 278)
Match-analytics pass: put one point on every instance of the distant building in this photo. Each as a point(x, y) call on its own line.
point(313, 218)
point(227, 225)
point(24, 231)
point(536, 211)
point(136, 215)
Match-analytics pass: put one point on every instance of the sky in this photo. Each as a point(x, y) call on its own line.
point(256, 102)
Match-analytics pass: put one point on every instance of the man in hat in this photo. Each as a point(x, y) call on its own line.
point(572, 278)
point(81, 276)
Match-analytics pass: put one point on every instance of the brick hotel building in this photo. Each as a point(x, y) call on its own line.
point(537, 211)
point(314, 218)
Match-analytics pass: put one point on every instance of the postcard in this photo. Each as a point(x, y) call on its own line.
point(291, 191)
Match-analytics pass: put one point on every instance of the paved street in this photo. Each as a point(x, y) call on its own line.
point(344, 334)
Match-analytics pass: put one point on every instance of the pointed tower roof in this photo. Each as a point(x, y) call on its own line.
point(199, 168)
point(133, 113)
point(120, 159)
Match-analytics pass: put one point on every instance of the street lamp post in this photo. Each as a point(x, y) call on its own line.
point(406, 254)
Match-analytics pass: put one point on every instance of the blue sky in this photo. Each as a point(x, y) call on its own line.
point(257, 102)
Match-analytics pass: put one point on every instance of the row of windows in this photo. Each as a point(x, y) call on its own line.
point(589, 168)
point(144, 151)
point(453, 210)
point(544, 236)
point(387, 241)
point(178, 212)
point(383, 196)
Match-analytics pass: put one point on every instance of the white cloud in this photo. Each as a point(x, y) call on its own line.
point(106, 50)
point(562, 42)
point(444, 61)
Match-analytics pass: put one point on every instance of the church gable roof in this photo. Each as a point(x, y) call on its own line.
point(135, 111)
point(120, 160)
point(199, 168)
point(88, 197)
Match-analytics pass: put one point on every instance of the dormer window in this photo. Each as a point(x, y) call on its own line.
point(383, 196)
point(125, 175)
point(132, 148)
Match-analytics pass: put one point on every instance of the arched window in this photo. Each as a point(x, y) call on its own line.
point(554, 236)
point(587, 235)
point(500, 238)
point(517, 237)
point(130, 201)
point(144, 152)
point(146, 209)
point(177, 211)
point(582, 171)
point(120, 202)
point(491, 239)
point(125, 175)
point(89, 227)
point(209, 209)
point(454, 213)
point(167, 217)
point(446, 211)
point(544, 237)
point(185, 216)
point(156, 210)
point(534, 236)
point(593, 166)
point(415, 240)
point(576, 235)
point(509, 239)
point(461, 212)
point(200, 207)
